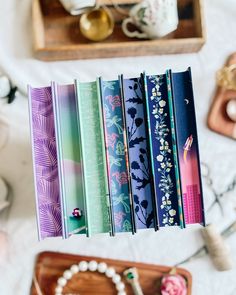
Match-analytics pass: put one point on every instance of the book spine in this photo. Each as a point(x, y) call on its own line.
point(78, 97)
point(105, 157)
point(126, 145)
point(94, 165)
point(116, 155)
point(187, 142)
point(197, 149)
point(34, 162)
point(59, 155)
point(69, 164)
point(45, 162)
point(162, 153)
point(150, 146)
point(175, 152)
point(141, 175)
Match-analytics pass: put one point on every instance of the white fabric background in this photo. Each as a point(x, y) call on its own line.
point(165, 247)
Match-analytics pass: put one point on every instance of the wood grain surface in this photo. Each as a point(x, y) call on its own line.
point(51, 265)
point(57, 35)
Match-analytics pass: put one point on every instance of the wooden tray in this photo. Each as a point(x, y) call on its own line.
point(57, 35)
point(218, 120)
point(51, 265)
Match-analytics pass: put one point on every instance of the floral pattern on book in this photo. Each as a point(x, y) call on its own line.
point(162, 151)
point(116, 156)
point(138, 155)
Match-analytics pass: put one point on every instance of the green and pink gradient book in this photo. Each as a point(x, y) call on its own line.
point(69, 159)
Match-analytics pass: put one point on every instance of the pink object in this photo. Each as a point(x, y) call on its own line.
point(173, 285)
point(111, 140)
point(121, 178)
point(191, 190)
point(119, 216)
point(114, 101)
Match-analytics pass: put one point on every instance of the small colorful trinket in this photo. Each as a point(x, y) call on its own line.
point(131, 275)
point(77, 213)
point(173, 284)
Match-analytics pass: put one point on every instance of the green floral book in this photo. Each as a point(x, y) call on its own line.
point(89, 113)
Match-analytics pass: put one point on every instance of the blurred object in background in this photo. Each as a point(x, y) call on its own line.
point(4, 132)
point(3, 195)
point(222, 115)
point(76, 7)
point(217, 248)
point(6, 89)
point(3, 246)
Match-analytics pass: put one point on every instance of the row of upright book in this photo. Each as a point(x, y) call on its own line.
point(116, 156)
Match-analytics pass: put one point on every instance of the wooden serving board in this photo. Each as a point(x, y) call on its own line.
point(51, 265)
point(218, 120)
point(57, 35)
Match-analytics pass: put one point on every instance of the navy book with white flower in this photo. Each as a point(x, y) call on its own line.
point(161, 150)
point(139, 158)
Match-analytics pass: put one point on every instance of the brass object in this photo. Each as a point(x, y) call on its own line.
point(97, 24)
point(226, 77)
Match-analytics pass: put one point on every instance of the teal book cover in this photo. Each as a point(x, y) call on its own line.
point(117, 156)
point(89, 114)
point(69, 159)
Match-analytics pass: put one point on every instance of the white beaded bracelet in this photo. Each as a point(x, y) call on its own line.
point(91, 266)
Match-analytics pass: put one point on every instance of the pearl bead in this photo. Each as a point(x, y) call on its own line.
point(102, 267)
point(83, 266)
point(231, 109)
point(74, 268)
point(58, 293)
point(116, 279)
point(58, 289)
point(62, 282)
point(110, 272)
point(92, 265)
point(121, 293)
point(67, 274)
point(120, 286)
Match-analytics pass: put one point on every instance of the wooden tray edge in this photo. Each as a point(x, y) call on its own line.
point(108, 50)
point(165, 269)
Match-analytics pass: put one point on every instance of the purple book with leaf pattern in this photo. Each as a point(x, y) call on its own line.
point(139, 158)
point(45, 162)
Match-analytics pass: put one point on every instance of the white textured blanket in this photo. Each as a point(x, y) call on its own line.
point(165, 247)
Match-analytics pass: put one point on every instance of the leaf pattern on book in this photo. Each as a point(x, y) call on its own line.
point(122, 199)
point(120, 149)
point(45, 158)
point(162, 151)
point(116, 157)
point(138, 156)
point(136, 141)
point(114, 161)
point(50, 215)
point(115, 120)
